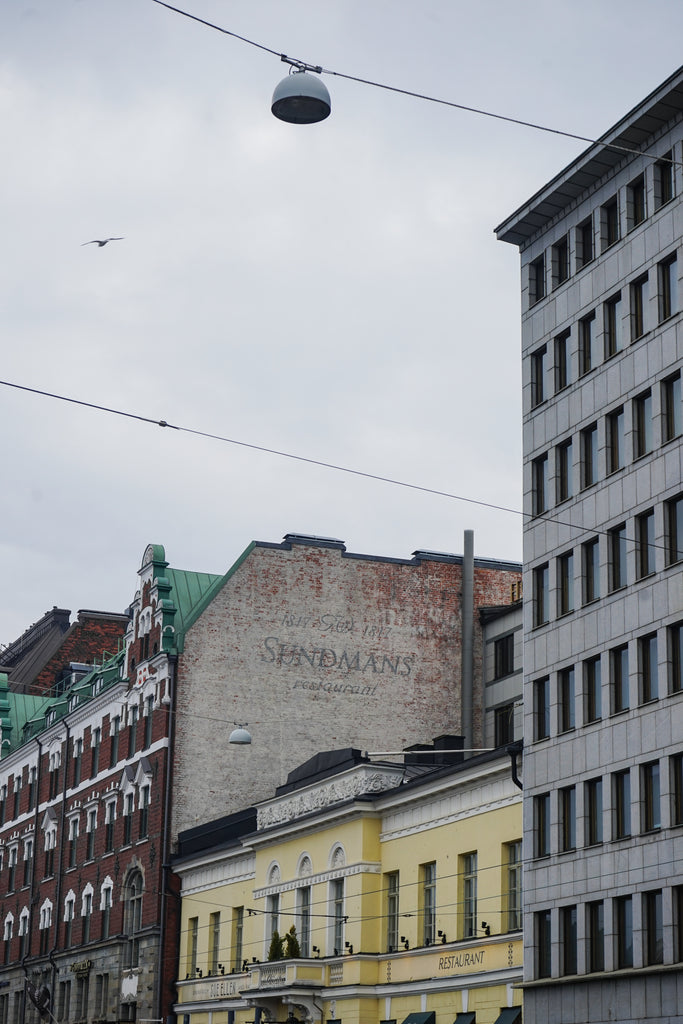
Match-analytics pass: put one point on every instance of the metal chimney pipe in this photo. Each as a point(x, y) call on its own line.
point(467, 654)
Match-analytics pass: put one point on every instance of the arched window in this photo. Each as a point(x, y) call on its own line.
point(133, 914)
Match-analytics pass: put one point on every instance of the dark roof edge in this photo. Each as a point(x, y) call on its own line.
point(505, 230)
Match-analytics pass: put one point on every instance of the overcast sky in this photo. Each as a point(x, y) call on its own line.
point(334, 291)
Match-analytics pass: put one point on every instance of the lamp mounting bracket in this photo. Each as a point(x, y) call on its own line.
point(300, 65)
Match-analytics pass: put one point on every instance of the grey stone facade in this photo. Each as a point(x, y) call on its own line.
point(602, 354)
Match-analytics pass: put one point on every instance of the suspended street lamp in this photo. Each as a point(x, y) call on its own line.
point(301, 98)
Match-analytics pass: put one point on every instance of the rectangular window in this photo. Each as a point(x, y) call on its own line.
point(109, 818)
point(128, 819)
point(672, 421)
point(592, 690)
point(28, 861)
point(614, 423)
point(593, 808)
point(73, 842)
point(635, 202)
point(650, 797)
point(95, 752)
point(428, 876)
point(541, 708)
point(647, 668)
point(618, 659)
point(504, 725)
point(677, 899)
point(623, 931)
point(675, 652)
point(106, 912)
point(468, 864)
point(645, 544)
point(562, 362)
point(114, 732)
point(32, 787)
point(64, 1004)
point(543, 943)
point(563, 471)
point(584, 242)
point(12, 866)
point(192, 936)
point(91, 823)
point(612, 326)
point(237, 937)
point(586, 325)
point(541, 595)
point(338, 911)
point(560, 261)
point(565, 685)
point(78, 760)
point(589, 455)
point(565, 583)
point(642, 424)
point(149, 720)
point(86, 915)
point(68, 923)
point(392, 891)
point(144, 811)
point(214, 941)
point(673, 519)
point(609, 223)
point(595, 935)
point(539, 485)
point(503, 656)
point(621, 804)
point(514, 886)
point(664, 180)
point(304, 919)
point(639, 295)
point(668, 288)
point(569, 944)
point(273, 911)
point(542, 825)
point(538, 377)
point(676, 773)
point(101, 994)
point(567, 818)
point(536, 280)
point(590, 551)
point(132, 730)
point(617, 557)
point(654, 927)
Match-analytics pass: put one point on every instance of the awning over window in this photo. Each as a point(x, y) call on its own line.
point(511, 1015)
point(465, 1018)
point(420, 1018)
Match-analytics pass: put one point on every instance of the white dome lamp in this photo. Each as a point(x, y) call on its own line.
point(240, 735)
point(301, 98)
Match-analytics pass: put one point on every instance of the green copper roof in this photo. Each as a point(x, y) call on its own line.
point(188, 591)
point(16, 709)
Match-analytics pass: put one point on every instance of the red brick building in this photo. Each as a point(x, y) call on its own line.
point(310, 645)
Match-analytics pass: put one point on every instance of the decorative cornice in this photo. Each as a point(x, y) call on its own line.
point(359, 781)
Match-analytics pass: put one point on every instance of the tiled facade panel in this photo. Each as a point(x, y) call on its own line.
point(317, 650)
point(602, 811)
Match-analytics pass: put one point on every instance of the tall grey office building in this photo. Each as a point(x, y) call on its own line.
point(602, 354)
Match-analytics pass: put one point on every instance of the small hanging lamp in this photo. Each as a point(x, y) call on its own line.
point(240, 735)
point(301, 98)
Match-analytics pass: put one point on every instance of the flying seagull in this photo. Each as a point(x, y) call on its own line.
point(103, 241)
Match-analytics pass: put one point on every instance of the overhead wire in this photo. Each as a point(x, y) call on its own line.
point(549, 517)
point(629, 150)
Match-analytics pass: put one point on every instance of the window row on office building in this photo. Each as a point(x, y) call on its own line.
point(623, 931)
point(632, 801)
point(618, 215)
point(625, 553)
point(625, 433)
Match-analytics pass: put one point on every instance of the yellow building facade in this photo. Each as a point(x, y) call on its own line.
point(402, 882)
